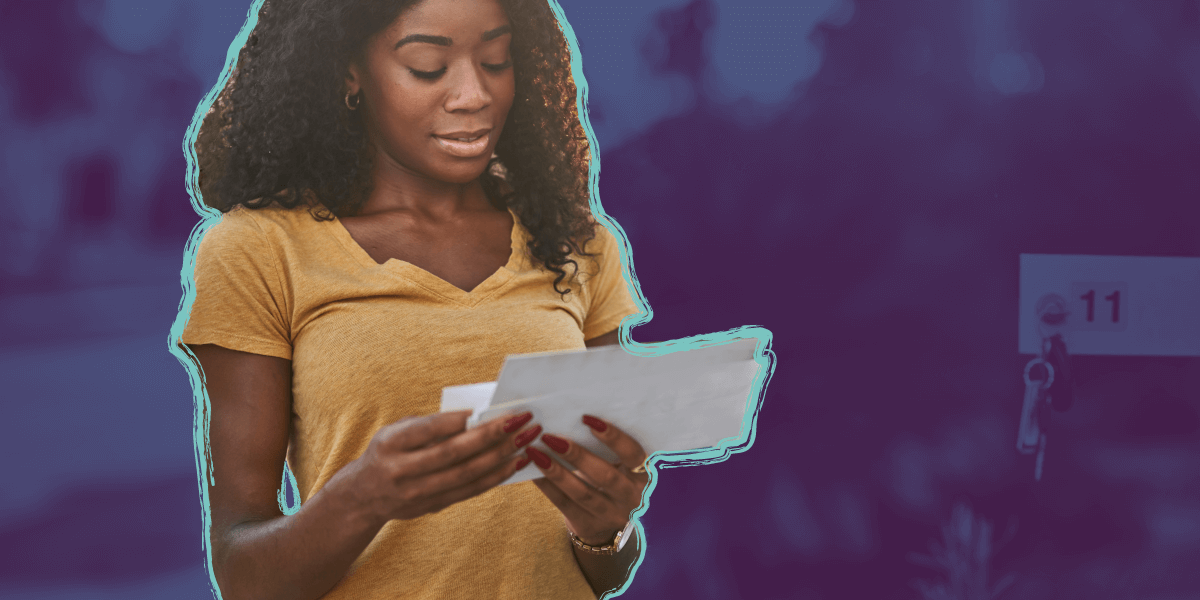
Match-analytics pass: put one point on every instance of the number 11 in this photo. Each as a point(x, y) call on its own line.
point(1114, 297)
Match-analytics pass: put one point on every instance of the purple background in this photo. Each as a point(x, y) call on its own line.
point(858, 177)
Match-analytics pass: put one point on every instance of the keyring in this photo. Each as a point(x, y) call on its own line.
point(1049, 372)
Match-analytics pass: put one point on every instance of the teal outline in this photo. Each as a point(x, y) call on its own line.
point(200, 430)
point(209, 217)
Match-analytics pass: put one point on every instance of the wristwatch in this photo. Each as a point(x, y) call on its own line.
point(612, 548)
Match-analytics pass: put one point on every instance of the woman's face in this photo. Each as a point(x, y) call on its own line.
point(436, 88)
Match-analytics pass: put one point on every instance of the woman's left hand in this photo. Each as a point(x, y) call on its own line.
point(597, 498)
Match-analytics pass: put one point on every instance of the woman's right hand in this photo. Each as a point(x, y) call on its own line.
point(421, 465)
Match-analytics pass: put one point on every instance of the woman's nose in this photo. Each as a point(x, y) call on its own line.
point(468, 91)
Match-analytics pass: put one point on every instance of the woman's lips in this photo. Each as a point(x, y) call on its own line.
point(465, 145)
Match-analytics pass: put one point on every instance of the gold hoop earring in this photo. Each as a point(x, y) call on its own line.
point(357, 100)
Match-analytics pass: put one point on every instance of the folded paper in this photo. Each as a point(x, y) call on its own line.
point(686, 400)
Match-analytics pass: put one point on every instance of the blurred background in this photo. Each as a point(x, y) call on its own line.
point(859, 177)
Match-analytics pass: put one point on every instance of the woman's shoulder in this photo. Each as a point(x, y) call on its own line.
point(604, 241)
point(601, 255)
point(276, 215)
point(256, 234)
point(273, 222)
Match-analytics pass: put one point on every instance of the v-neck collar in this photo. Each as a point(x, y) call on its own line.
point(432, 282)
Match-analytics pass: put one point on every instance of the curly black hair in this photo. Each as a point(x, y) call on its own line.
point(279, 132)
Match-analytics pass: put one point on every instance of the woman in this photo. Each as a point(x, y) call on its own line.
point(405, 199)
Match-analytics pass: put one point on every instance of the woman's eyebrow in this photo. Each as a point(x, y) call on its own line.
point(497, 32)
point(441, 40)
point(437, 40)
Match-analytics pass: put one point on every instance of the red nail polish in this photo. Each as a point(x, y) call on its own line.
point(594, 423)
point(539, 457)
point(517, 422)
point(521, 464)
point(556, 443)
point(527, 436)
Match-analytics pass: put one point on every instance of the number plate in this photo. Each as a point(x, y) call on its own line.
point(1115, 305)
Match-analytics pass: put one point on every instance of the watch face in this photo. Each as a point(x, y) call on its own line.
point(623, 536)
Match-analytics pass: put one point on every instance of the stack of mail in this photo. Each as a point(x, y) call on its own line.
point(681, 401)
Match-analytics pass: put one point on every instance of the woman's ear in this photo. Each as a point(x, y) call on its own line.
point(353, 79)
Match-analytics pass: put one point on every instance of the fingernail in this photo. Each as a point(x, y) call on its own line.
point(556, 444)
point(521, 464)
point(527, 436)
point(539, 457)
point(517, 422)
point(594, 423)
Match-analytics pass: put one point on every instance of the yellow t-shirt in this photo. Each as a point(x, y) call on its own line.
point(371, 344)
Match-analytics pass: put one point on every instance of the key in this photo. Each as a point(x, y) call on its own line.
point(1041, 458)
point(1029, 434)
point(1042, 413)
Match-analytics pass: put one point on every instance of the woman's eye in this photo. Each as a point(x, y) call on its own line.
point(428, 74)
point(498, 67)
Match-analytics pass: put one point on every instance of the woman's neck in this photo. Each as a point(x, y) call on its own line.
point(397, 188)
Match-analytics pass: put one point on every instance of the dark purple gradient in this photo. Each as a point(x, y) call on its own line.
point(872, 222)
point(107, 532)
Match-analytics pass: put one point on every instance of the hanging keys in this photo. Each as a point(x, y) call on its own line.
point(1029, 435)
point(1042, 394)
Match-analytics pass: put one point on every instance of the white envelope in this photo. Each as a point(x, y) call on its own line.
point(531, 375)
point(682, 401)
point(475, 397)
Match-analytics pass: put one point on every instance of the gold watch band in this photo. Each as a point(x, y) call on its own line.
point(612, 548)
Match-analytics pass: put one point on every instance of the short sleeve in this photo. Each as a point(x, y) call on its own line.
point(241, 302)
point(609, 300)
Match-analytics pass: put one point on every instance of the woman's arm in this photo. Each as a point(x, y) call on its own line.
point(260, 554)
point(256, 551)
point(606, 573)
point(596, 499)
